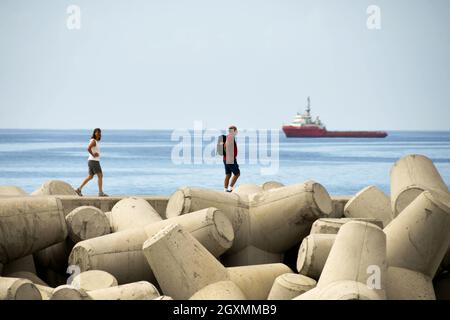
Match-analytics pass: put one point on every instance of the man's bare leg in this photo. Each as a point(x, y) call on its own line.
point(233, 181)
point(227, 181)
point(100, 182)
point(88, 178)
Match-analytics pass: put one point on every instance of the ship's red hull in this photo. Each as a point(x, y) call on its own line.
point(315, 132)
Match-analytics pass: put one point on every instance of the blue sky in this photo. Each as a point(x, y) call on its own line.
point(165, 63)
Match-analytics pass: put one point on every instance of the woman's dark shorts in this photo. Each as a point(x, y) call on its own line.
point(231, 168)
point(94, 167)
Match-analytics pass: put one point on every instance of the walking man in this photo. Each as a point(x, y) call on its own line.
point(94, 163)
point(229, 160)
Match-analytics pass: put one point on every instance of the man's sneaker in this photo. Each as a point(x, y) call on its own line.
point(102, 194)
point(78, 191)
point(230, 189)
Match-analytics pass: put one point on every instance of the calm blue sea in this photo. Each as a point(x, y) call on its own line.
point(139, 162)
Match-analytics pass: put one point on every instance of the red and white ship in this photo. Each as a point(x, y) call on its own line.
point(304, 127)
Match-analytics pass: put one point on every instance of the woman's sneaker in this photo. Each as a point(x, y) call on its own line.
point(102, 194)
point(78, 191)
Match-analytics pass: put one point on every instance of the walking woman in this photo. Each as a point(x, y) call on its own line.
point(94, 163)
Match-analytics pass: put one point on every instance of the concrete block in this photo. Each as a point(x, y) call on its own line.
point(290, 285)
point(54, 257)
point(68, 292)
point(410, 176)
point(12, 191)
point(370, 202)
point(404, 284)
point(339, 203)
point(29, 276)
point(221, 290)
point(247, 189)
point(255, 281)
point(94, 280)
point(418, 238)
point(251, 256)
point(24, 218)
point(442, 288)
point(269, 185)
point(180, 263)
point(87, 222)
point(22, 264)
point(45, 291)
point(121, 253)
point(332, 225)
point(18, 289)
point(141, 290)
point(342, 290)
point(313, 254)
point(132, 213)
point(53, 188)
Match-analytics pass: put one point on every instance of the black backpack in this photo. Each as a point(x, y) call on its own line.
point(221, 145)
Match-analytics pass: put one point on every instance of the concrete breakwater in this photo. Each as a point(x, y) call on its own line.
point(270, 241)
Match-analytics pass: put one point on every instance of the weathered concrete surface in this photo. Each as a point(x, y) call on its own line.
point(45, 291)
point(68, 292)
point(121, 253)
point(220, 290)
point(53, 188)
point(404, 284)
point(132, 213)
point(313, 254)
point(359, 246)
point(87, 222)
point(370, 202)
point(418, 238)
point(255, 281)
point(141, 290)
point(339, 203)
point(290, 285)
point(251, 256)
point(22, 264)
point(410, 176)
point(180, 263)
point(94, 280)
point(21, 219)
point(29, 276)
point(106, 204)
point(247, 189)
point(332, 225)
point(269, 185)
point(54, 257)
point(342, 290)
point(271, 221)
point(12, 191)
point(18, 289)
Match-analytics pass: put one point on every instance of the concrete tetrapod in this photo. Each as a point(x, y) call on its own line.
point(12, 191)
point(94, 280)
point(357, 261)
point(22, 264)
point(270, 185)
point(313, 253)
point(332, 225)
point(271, 221)
point(131, 213)
point(53, 188)
point(18, 289)
point(370, 202)
point(290, 285)
point(418, 238)
point(181, 264)
point(54, 257)
point(22, 218)
point(69, 292)
point(410, 176)
point(247, 189)
point(404, 284)
point(29, 276)
point(141, 290)
point(87, 222)
point(255, 281)
point(121, 253)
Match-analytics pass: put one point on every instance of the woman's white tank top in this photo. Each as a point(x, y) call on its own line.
point(95, 149)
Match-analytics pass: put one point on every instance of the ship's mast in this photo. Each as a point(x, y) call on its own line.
point(308, 107)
